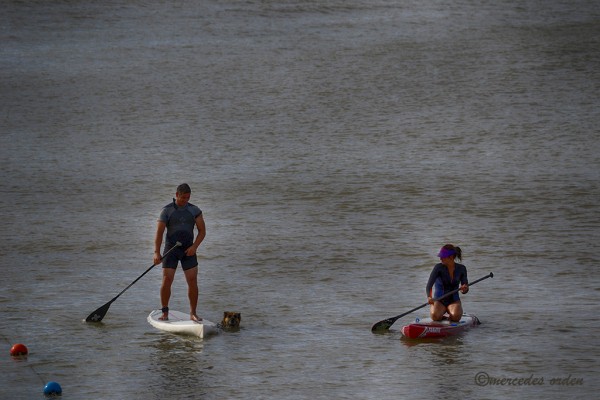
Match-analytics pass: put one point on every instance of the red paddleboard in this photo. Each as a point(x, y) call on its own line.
point(426, 328)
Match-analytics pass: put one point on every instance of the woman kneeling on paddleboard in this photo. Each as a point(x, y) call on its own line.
point(446, 277)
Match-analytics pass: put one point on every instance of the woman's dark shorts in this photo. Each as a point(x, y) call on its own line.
point(450, 299)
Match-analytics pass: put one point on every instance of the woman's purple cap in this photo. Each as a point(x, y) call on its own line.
point(444, 252)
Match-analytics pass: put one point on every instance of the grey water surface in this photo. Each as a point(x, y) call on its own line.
point(333, 147)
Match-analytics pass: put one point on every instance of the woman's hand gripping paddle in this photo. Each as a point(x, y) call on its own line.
point(97, 315)
point(383, 326)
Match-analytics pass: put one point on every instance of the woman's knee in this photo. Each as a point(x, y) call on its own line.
point(437, 311)
point(455, 311)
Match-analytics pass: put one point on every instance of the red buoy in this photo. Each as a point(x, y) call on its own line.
point(18, 350)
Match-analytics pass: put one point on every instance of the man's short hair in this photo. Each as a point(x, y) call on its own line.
point(184, 188)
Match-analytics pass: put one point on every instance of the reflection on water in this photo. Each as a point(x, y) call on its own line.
point(438, 342)
point(445, 361)
point(177, 362)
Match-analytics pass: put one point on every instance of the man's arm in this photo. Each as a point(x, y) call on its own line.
point(160, 230)
point(201, 226)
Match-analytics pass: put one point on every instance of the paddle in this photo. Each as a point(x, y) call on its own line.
point(97, 315)
point(387, 323)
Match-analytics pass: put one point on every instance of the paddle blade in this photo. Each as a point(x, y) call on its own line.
point(383, 326)
point(97, 315)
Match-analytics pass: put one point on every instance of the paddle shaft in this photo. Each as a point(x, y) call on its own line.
point(386, 323)
point(145, 272)
point(98, 314)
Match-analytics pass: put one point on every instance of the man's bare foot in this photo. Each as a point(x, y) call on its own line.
point(165, 314)
point(196, 318)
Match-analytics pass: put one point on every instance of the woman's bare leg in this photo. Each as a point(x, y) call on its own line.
point(437, 311)
point(456, 311)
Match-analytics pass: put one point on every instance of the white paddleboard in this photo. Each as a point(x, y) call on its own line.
point(181, 323)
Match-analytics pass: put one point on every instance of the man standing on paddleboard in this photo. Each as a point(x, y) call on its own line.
point(179, 219)
point(446, 277)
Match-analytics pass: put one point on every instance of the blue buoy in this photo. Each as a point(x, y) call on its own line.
point(52, 389)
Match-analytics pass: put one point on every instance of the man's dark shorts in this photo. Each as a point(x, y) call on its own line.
point(178, 255)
